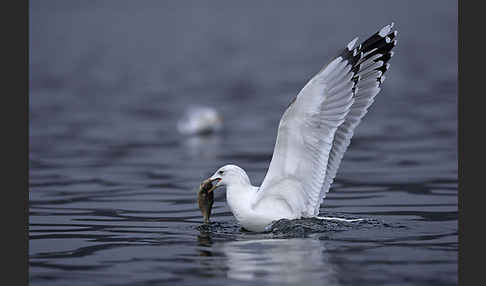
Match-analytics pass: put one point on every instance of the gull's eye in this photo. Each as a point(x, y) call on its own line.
point(221, 172)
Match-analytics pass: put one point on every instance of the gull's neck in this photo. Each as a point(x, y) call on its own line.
point(240, 195)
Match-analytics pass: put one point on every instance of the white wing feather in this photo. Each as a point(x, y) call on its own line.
point(316, 128)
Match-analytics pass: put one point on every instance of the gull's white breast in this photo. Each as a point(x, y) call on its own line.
point(255, 217)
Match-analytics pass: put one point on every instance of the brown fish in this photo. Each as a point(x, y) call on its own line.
point(205, 198)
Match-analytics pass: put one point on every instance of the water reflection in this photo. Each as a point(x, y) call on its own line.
point(279, 260)
point(204, 146)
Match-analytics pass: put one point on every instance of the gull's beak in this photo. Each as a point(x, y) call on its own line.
point(215, 182)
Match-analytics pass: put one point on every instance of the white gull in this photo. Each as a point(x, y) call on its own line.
point(199, 120)
point(313, 134)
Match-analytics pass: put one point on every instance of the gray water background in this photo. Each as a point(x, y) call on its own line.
point(112, 195)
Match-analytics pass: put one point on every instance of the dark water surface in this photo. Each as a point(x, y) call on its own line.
point(113, 185)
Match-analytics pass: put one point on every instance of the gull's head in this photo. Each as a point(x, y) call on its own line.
point(229, 175)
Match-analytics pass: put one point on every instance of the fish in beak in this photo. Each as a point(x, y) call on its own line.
point(205, 197)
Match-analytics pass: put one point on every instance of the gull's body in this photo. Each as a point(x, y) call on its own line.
point(251, 213)
point(313, 134)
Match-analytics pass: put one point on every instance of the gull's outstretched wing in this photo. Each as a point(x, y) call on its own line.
point(315, 130)
point(377, 48)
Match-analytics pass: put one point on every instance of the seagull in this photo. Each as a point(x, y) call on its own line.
point(313, 135)
point(200, 120)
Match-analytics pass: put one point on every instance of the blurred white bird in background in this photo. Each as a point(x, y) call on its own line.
point(200, 120)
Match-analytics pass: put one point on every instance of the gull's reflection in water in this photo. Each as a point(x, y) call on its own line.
point(205, 146)
point(279, 260)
